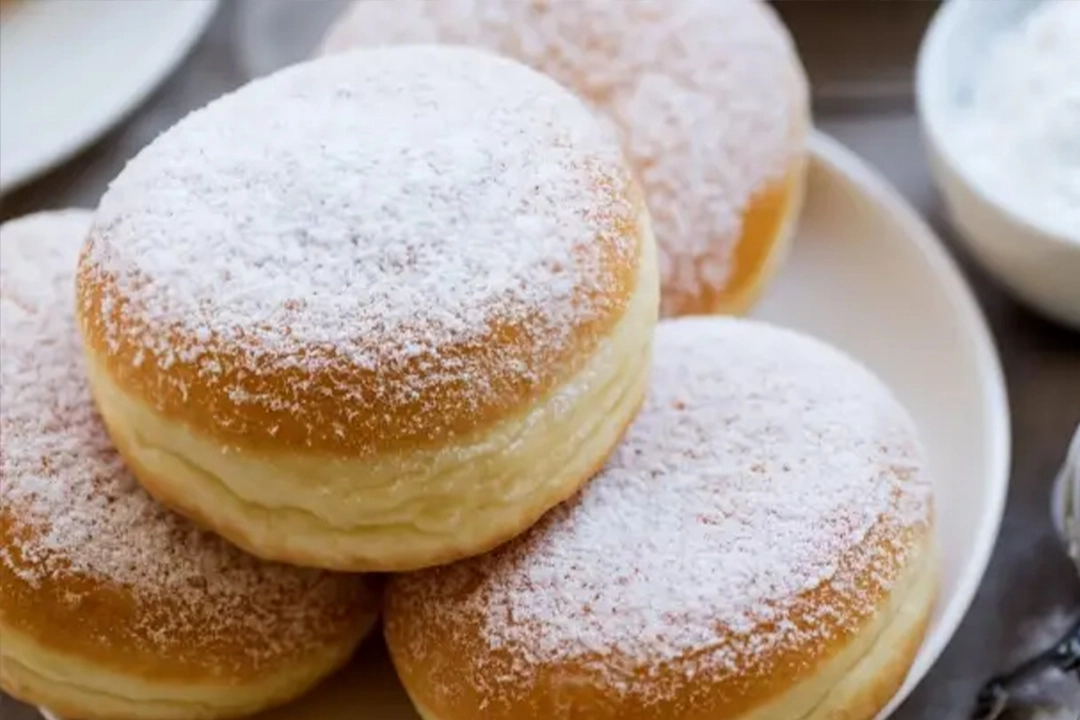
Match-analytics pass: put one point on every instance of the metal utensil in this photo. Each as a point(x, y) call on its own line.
point(995, 697)
point(1066, 508)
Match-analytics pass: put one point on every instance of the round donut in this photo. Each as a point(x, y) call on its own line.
point(758, 547)
point(112, 607)
point(708, 98)
point(375, 312)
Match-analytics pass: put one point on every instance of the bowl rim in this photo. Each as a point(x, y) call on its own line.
point(928, 63)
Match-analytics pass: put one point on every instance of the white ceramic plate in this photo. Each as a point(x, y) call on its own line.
point(866, 274)
point(71, 69)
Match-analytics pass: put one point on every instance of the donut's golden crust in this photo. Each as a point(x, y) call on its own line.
point(183, 394)
point(111, 606)
point(110, 628)
point(759, 546)
point(604, 56)
point(768, 223)
point(768, 226)
point(460, 499)
point(422, 369)
point(205, 402)
point(866, 688)
point(87, 648)
point(729, 694)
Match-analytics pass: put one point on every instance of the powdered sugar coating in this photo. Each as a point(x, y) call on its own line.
point(762, 505)
point(73, 519)
point(707, 97)
point(383, 212)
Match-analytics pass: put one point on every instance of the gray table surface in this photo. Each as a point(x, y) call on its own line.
point(859, 56)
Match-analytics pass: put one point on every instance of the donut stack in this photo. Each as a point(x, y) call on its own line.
point(380, 332)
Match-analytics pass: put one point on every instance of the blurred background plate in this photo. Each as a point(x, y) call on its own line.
point(868, 275)
point(71, 69)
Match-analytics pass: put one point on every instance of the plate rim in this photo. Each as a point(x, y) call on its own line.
point(846, 167)
point(849, 168)
point(188, 34)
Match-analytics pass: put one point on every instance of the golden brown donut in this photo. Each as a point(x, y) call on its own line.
point(374, 312)
point(759, 547)
point(111, 607)
point(708, 97)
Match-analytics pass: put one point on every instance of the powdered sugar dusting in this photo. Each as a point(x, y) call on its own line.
point(706, 96)
point(764, 466)
point(77, 513)
point(370, 211)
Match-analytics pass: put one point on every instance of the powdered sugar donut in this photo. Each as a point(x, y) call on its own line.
point(374, 312)
point(112, 607)
point(708, 97)
point(759, 546)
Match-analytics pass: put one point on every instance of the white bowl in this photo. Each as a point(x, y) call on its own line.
point(866, 274)
point(1039, 264)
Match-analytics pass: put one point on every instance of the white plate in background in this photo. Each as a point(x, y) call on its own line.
point(866, 274)
point(71, 69)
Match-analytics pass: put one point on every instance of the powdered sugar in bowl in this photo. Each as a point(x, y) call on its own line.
point(998, 89)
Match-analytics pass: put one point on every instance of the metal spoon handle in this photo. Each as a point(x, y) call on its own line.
point(1064, 655)
point(996, 695)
